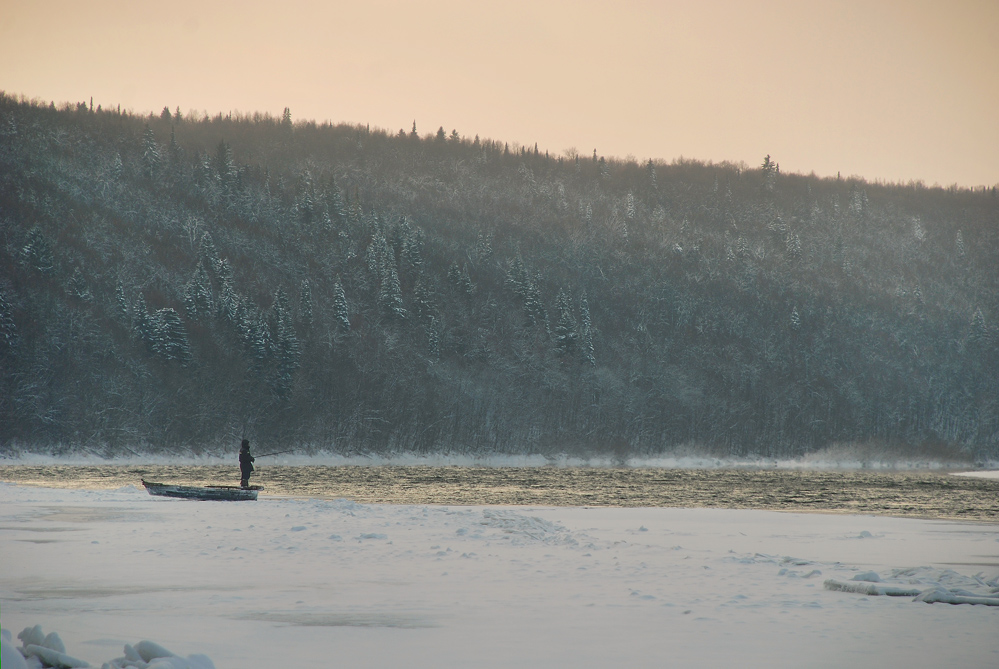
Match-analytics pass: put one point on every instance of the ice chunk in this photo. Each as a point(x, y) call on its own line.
point(150, 651)
point(869, 576)
point(32, 636)
point(868, 588)
point(941, 595)
point(53, 642)
point(53, 658)
point(132, 654)
point(10, 657)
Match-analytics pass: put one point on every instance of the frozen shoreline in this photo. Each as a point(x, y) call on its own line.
point(291, 582)
point(821, 461)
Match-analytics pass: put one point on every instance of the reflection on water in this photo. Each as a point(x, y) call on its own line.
point(918, 494)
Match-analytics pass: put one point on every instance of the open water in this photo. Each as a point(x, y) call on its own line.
point(914, 494)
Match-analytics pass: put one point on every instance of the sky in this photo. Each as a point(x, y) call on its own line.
point(890, 90)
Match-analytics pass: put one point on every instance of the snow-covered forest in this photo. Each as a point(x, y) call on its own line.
point(172, 283)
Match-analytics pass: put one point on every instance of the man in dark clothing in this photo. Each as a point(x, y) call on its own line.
point(245, 464)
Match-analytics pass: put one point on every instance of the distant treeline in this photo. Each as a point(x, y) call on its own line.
point(173, 284)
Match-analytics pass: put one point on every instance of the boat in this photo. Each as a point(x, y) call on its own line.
point(225, 493)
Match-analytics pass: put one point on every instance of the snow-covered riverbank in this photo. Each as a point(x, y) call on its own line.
point(287, 582)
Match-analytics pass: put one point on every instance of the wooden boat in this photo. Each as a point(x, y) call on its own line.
point(226, 493)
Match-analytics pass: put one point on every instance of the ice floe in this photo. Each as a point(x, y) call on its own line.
point(42, 651)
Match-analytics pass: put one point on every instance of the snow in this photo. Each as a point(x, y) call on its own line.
point(304, 582)
point(987, 474)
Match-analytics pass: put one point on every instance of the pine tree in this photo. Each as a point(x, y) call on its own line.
point(411, 249)
point(422, 300)
point(978, 332)
point(286, 346)
point(77, 286)
point(169, 337)
point(150, 154)
point(465, 282)
point(209, 254)
point(770, 170)
point(534, 308)
point(517, 278)
point(174, 151)
point(434, 338)
point(198, 301)
point(255, 335)
point(565, 334)
point(390, 293)
point(121, 304)
point(305, 304)
point(227, 305)
point(586, 329)
point(142, 322)
point(340, 312)
point(224, 167)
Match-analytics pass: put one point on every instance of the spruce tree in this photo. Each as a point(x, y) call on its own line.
point(390, 292)
point(169, 336)
point(565, 334)
point(586, 329)
point(340, 311)
point(286, 346)
point(422, 300)
point(150, 154)
point(305, 304)
point(142, 323)
point(198, 295)
point(121, 304)
point(77, 286)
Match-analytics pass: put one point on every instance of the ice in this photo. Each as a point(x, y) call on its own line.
point(947, 597)
point(10, 657)
point(149, 651)
point(488, 586)
point(143, 655)
point(53, 658)
point(924, 584)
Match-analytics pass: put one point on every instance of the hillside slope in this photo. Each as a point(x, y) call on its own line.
point(174, 284)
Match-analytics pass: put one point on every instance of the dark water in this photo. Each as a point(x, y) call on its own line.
point(916, 494)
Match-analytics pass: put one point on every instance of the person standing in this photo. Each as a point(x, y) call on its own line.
point(245, 464)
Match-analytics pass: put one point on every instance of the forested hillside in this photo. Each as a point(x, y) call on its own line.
point(172, 284)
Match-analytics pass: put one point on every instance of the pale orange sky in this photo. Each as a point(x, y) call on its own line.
point(885, 89)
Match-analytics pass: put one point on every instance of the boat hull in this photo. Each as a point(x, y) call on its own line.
point(219, 493)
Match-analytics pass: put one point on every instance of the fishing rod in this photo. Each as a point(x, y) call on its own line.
point(264, 455)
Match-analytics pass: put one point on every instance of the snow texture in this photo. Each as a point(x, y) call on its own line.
point(307, 582)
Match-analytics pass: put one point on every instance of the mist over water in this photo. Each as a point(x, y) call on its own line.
point(925, 494)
